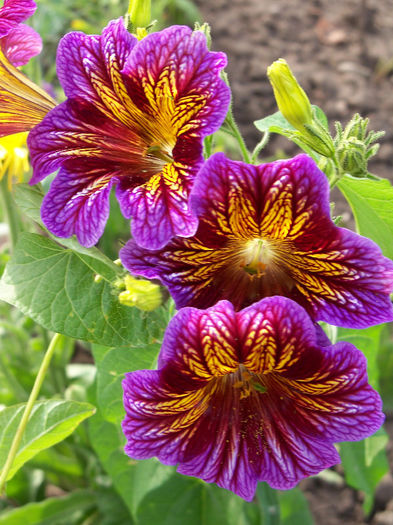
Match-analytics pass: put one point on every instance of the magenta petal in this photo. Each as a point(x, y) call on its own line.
point(157, 215)
point(21, 44)
point(77, 205)
point(13, 12)
point(84, 61)
point(181, 55)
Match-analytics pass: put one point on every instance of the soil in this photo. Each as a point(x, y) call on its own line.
point(341, 52)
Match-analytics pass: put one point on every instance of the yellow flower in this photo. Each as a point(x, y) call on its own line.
point(291, 99)
point(14, 157)
point(143, 294)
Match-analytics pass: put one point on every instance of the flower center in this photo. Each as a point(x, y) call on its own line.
point(257, 254)
point(247, 382)
point(158, 153)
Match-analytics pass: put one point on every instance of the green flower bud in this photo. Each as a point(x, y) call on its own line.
point(351, 155)
point(139, 13)
point(291, 99)
point(355, 145)
point(140, 293)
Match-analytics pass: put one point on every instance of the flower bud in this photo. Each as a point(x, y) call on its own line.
point(355, 145)
point(140, 293)
point(139, 13)
point(291, 99)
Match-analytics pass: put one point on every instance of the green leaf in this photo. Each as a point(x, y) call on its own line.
point(268, 504)
point(50, 422)
point(29, 199)
point(112, 364)
point(56, 287)
point(320, 116)
point(275, 123)
point(368, 341)
point(294, 508)
point(371, 202)
point(112, 510)
point(52, 511)
point(181, 500)
point(365, 464)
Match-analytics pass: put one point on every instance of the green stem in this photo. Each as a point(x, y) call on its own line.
point(9, 207)
point(29, 407)
point(230, 122)
point(337, 175)
point(259, 147)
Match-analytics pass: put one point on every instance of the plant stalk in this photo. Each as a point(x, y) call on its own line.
point(29, 407)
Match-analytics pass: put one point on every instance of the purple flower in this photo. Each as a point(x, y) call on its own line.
point(135, 116)
point(266, 230)
point(18, 42)
point(249, 396)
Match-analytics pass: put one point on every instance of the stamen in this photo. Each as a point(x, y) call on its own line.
point(257, 254)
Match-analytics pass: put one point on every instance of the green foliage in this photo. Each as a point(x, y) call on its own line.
point(294, 508)
point(52, 511)
point(50, 422)
point(365, 464)
point(56, 287)
point(371, 202)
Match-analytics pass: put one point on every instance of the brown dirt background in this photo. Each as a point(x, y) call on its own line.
point(341, 52)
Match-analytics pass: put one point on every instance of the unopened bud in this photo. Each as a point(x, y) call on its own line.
point(139, 13)
point(291, 99)
point(140, 293)
point(355, 145)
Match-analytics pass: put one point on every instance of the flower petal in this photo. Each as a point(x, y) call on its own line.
point(88, 67)
point(13, 12)
point(175, 65)
point(77, 204)
point(282, 208)
point(159, 208)
point(21, 44)
point(23, 104)
point(248, 396)
point(77, 132)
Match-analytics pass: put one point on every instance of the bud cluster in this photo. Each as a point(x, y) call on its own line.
point(354, 145)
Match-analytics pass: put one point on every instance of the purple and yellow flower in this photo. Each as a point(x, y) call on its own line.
point(135, 116)
point(18, 42)
point(266, 230)
point(249, 396)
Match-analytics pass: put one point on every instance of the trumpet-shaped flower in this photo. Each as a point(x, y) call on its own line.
point(249, 396)
point(18, 42)
point(23, 104)
point(266, 230)
point(135, 116)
